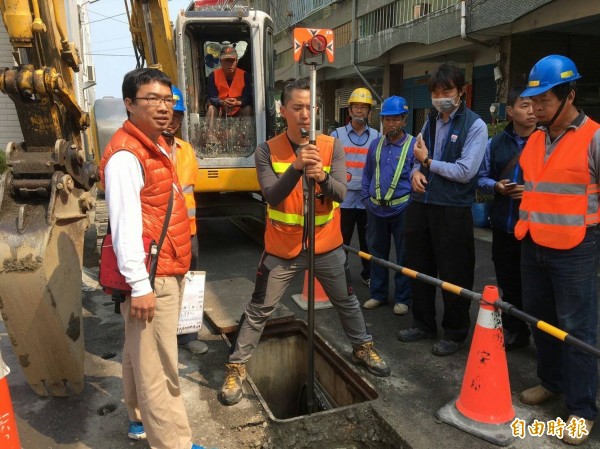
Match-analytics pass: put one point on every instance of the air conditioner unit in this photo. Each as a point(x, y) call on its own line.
point(421, 9)
point(91, 73)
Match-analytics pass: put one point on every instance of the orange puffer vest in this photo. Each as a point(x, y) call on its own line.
point(560, 200)
point(230, 91)
point(284, 231)
point(159, 179)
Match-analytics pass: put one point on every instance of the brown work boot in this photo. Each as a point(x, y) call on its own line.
point(578, 437)
point(366, 355)
point(231, 392)
point(537, 395)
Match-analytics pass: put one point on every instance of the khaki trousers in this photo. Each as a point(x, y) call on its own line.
point(150, 376)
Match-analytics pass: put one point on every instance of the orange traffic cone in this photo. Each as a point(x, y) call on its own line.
point(484, 407)
point(8, 425)
point(321, 299)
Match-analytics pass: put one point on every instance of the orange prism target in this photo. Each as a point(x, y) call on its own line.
point(318, 40)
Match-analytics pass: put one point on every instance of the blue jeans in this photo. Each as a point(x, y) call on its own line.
point(379, 238)
point(559, 287)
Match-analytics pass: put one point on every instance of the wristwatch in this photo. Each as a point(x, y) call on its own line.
point(324, 180)
point(426, 161)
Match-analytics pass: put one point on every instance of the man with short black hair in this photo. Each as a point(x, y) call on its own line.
point(439, 224)
point(501, 175)
point(140, 182)
point(284, 164)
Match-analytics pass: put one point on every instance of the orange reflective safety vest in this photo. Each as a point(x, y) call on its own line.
point(184, 158)
point(230, 91)
point(159, 180)
point(559, 200)
point(284, 233)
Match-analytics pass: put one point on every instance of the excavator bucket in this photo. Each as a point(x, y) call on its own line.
point(41, 250)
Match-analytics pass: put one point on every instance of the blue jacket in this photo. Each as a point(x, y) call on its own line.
point(504, 211)
point(440, 190)
point(390, 155)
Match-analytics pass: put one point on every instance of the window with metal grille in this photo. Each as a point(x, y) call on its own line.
point(398, 13)
point(342, 34)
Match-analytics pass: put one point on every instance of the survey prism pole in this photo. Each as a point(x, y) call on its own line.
point(310, 46)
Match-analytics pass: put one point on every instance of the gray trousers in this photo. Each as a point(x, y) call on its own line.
point(272, 280)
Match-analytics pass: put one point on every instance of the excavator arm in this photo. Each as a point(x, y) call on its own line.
point(46, 197)
point(152, 35)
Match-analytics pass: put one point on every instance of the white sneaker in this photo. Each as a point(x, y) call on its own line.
point(372, 303)
point(400, 309)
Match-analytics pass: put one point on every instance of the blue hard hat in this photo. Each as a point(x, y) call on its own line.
point(549, 72)
point(394, 105)
point(178, 97)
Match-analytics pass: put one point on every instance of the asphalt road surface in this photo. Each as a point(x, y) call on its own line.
point(404, 411)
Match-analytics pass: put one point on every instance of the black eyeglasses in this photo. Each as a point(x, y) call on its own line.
point(156, 101)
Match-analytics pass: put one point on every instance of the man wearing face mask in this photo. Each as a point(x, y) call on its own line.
point(356, 137)
point(439, 224)
point(385, 193)
point(560, 240)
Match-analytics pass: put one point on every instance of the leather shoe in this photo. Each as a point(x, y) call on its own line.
point(576, 440)
point(515, 340)
point(400, 309)
point(414, 334)
point(446, 347)
point(537, 395)
point(372, 303)
point(196, 347)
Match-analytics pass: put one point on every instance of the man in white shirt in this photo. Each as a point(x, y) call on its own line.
point(140, 183)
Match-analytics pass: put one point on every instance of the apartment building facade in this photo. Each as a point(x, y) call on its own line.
point(78, 31)
point(393, 45)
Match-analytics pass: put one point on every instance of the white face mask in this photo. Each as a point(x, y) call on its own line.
point(444, 104)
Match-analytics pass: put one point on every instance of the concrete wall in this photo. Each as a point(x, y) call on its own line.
point(10, 131)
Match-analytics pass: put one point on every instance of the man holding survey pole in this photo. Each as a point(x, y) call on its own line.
point(283, 165)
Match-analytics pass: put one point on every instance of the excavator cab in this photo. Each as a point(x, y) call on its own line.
point(225, 146)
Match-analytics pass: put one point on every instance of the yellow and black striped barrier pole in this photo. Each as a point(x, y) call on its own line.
point(473, 296)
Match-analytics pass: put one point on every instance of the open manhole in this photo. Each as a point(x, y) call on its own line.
point(343, 415)
point(278, 373)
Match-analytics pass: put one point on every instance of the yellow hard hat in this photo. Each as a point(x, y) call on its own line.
point(361, 95)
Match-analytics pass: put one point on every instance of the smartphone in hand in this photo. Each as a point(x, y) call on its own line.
point(510, 185)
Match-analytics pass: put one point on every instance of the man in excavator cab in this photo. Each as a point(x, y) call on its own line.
point(229, 88)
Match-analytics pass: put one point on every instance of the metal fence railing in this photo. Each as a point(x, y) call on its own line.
point(398, 13)
point(287, 14)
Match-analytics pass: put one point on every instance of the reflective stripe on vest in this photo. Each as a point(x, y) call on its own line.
point(285, 235)
point(297, 219)
point(397, 173)
point(281, 167)
point(559, 200)
point(394, 202)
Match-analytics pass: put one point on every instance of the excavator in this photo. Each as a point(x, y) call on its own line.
point(46, 199)
point(226, 183)
point(48, 192)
